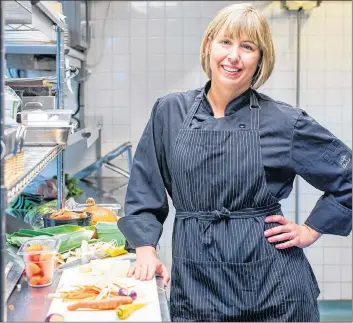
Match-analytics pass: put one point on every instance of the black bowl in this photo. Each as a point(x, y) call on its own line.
point(48, 222)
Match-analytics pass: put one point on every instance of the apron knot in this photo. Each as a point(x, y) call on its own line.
point(216, 215)
point(221, 214)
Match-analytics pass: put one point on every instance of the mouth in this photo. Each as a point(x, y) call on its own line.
point(231, 70)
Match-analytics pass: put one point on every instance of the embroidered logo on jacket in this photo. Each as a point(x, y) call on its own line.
point(344, 161)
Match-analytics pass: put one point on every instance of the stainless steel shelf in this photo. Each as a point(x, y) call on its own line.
point(36, 159)
point(27, 23)
point(32, 48)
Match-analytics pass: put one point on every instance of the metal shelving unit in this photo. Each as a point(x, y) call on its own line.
point(27, 24)
point(36, 159)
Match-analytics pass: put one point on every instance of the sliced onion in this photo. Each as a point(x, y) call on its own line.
point(54, 318)
point(133, 295)
point(123, 292)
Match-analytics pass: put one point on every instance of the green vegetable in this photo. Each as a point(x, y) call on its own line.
point(17, 241)
point(60, 229)
point(35, 233)
point(108, 231)
point(73, 240)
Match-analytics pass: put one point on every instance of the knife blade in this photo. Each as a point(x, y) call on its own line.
point(78, 262)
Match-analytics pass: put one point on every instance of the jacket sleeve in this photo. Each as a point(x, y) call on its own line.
point(146, 204)
point(326, 163)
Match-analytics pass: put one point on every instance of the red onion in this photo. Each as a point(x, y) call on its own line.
point(123, 292)
point(133, 295)
point(54, 318)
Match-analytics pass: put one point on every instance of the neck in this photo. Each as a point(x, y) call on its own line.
point(220, 96)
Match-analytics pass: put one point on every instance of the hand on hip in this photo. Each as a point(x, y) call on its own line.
point(293, 234)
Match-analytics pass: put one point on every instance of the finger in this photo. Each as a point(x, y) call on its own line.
point(166, 276)
point(288, 244)
point(150, 272)
point(282, 237)
point(131, 270)
point(143, 272)
point(276, 218)
point(277, 230)
point(137, 272)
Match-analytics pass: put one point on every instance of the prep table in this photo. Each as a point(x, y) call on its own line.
point(32, 304)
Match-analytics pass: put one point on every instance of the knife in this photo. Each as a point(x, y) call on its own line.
point(78, 262)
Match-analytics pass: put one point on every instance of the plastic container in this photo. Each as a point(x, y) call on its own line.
point(48, 222)
point(56, 117)
point(39, 257)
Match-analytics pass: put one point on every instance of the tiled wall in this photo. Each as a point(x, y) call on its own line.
point(144, 49)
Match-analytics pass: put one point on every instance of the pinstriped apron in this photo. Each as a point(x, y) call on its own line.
point(223, 267)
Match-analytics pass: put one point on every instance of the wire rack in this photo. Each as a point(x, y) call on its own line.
point(36, 159)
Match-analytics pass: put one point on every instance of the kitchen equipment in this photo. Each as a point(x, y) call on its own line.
point(12, 103)
point(38, 102)
point(114, 207)
point(48, 222)
point(56, 117)
point(8, 145)
point(11, 153)
point(79, 262)
point(47, 135)
point(13, 269)
point(39, 257)
point(77, 19)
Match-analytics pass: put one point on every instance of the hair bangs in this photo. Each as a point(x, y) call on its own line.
point(238, 26)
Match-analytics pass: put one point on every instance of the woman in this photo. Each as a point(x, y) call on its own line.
point(227, 155)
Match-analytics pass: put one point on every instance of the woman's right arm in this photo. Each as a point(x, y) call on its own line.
point(146, 204)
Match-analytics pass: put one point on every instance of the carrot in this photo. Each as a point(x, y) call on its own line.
point(102, 305)
point(32, 269)
point(124, 311)
point(35, 280)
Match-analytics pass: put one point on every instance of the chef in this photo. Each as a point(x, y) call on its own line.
point(227, 155)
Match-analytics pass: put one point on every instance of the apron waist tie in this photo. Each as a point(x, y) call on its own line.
point(225, 214)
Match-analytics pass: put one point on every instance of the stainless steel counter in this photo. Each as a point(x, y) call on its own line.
point(32, 304)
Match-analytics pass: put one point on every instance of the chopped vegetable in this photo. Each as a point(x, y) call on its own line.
point(123, 292)
point(32, 269)
point(54, 318)
point(133, 294)
point(124, 311)
point(116, 251)
point(35, 280)
point(85, 269)
point(107, 304)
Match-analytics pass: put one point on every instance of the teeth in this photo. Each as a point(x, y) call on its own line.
point(229, 69)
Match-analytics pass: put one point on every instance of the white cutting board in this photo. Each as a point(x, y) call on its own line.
point(106, 269)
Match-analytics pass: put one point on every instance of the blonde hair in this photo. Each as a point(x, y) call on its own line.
point(237, 20)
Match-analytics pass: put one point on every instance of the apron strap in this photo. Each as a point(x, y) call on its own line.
point(254, 108)
point(192, 111)
point(255, 111)
point(209, 217)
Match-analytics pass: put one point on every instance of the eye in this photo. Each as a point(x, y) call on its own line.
point(225, 41)
point(248, 47)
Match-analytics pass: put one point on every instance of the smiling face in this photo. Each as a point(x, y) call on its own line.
point(233, 62)
point(237, 47)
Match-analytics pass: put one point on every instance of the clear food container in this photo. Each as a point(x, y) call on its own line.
point(46, 118)
point(39, 257)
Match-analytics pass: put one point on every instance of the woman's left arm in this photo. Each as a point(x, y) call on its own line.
point(325, 162)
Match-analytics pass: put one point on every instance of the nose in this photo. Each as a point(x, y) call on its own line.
point(233, 55)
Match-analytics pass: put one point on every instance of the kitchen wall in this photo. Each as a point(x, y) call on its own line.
point(142, 50)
